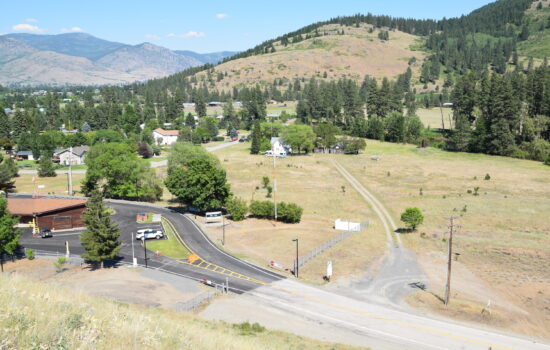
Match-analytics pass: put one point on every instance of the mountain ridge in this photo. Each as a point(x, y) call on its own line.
point(83, 59)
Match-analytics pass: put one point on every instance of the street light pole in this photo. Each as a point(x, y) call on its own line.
point(144, 249)
point(223, 229)
point(296, 270)
point(133, 252)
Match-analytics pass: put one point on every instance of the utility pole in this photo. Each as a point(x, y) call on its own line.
point(297, 261)
point(452, 227)
point(144, 249)
point(274, 175)
point(70, 171)
point(134, 261)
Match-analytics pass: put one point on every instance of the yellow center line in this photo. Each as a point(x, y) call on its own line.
point(226, 271)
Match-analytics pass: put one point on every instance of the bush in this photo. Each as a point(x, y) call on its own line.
point(59, 264)
point(237, 208)
point(145, 151)
point(29, 253)
point(262, 209)
point(289, 212)
point(248, 328)
point(487, 177)
point(218, 138)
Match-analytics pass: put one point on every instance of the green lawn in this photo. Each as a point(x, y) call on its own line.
point(168, 247)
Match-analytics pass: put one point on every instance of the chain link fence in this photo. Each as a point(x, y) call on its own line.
point(328, 244)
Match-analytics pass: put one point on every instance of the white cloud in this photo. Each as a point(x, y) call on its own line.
point(221, 15)
point(72, 30)
point(152, 37)
point(190, 34)
point(31, 20)
point(24, 27)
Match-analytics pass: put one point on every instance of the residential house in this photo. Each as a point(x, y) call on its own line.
point(279, 148)
point(165, 137)
point(24, 155)
point(76, 157)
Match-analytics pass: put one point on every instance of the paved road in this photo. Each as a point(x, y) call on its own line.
point(125, 217)
point(378, 324)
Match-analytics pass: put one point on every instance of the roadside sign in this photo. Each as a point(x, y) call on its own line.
point(329, 269)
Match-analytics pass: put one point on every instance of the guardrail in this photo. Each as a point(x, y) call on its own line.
point(196, 302)
point(328, 244)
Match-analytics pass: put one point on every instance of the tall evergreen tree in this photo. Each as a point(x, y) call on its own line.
point(100, 240)
point(9, 234)
point(46, 167)
point(256, 137)
point(5, 127)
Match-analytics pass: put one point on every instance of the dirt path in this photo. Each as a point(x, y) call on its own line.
point(389, 225)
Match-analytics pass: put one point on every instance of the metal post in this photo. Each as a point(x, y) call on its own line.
point(223, 229)
point(144, 250)
point(226, 284)
point(134, 261)
point(70, 171)
point(296, 270)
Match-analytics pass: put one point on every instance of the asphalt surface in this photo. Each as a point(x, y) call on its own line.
point(125, 217)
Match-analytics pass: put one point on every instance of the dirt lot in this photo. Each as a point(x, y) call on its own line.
point(124, 284)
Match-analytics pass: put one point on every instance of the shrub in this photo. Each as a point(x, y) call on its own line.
point(289, 212)
point(262, 209)
point(237, 208)
point(219, 138)
point(145, 151)
point(269, 191)
point(265, 181)
point(29, 253)
point(59, 264)
point(248, 328)
point(487, 177)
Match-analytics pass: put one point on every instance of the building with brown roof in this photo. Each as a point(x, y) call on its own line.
point(53, 213)
point(165, 137)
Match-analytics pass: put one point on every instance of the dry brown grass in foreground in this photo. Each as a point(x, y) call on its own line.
point(35, 315)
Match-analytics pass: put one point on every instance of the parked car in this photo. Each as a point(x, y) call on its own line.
point(46, 233)
point(269, 153)
point(149, 233)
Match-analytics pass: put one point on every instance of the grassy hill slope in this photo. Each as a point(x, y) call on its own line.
point(35, 315)
point(332, 55)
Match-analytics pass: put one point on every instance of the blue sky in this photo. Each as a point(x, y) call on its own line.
point(202, 26)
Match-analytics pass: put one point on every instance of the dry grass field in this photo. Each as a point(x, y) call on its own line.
point(504, 237)
point(503, 242)
point(431, 118)
point(313, 183)
point(52, 185)
point(44, 315)
point(353, 55)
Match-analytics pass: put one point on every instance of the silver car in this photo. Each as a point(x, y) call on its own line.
point(149, 233)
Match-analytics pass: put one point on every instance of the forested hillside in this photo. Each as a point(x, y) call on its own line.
point(500, 97)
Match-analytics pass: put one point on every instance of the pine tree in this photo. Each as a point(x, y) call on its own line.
point(461, 135)
point(46, 167)
point(100, 240)
point(9, 234)
point(5, 126)
point(256, 138)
